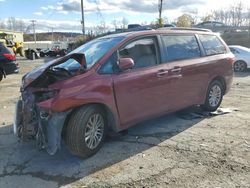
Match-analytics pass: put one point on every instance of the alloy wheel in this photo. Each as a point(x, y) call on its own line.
point(215, 95)
point(94, 131)
point(239, 66)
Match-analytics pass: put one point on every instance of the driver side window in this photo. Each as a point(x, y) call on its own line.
point(142, 51)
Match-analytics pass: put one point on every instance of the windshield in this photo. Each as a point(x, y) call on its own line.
point(97, 48)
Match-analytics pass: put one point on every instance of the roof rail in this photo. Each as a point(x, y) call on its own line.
point(185, 28)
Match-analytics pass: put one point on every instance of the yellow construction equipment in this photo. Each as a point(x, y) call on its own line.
point(13, 40)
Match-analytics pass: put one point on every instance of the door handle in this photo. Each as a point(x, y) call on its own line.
point(162, 72)
point(176, 70)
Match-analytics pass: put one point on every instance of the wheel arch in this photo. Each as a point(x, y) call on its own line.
point(222, 80)
point(110, 117)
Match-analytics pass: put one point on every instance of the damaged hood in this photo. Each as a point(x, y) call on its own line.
point(37, 72)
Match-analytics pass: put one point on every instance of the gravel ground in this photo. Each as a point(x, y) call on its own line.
point(177, 150)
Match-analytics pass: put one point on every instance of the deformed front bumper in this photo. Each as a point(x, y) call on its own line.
point(33, 122)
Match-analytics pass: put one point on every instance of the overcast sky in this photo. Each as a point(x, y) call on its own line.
point(64, 15)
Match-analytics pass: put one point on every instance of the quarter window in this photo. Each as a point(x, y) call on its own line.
point(142, 51)
point(179, 47)
point(212, 45)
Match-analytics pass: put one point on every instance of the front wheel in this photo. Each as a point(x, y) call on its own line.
point(86, 131)
point(214, 96)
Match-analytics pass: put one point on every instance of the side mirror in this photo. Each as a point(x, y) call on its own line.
point(125, 63)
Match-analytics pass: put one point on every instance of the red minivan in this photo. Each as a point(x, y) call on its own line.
point(116, 81)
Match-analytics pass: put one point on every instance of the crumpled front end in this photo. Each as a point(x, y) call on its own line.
point(34, 118)
point(34, 122)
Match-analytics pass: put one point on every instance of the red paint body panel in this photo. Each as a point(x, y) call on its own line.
point(140, 94)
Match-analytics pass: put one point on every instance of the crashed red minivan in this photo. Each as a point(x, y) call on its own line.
point(116, 81)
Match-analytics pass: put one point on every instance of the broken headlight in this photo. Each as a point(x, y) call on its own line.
point(45, 95)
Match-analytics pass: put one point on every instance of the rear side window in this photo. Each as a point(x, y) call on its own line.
point(4, 49)
point(180, 47)
point(212, 45)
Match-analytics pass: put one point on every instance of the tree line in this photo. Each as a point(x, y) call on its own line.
point(235, 15)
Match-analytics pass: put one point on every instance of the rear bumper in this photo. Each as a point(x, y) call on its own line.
point(11, 67)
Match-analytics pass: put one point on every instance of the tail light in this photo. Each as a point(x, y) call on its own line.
point(11, 57)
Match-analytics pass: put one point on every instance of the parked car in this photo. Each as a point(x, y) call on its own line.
point(53, 52)
point(169, 25)
point(116, 81)
point(8, 64)
point(242, 55)
point(214, 26)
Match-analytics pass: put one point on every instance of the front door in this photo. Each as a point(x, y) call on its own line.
point(138, 91)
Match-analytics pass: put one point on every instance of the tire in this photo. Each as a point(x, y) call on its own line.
point(80, 124)
point(42, 54)
point(1, 75)
point(214, 96)
point(62, 53)
point(32, 55)
point(52, 54)
point(240, 66)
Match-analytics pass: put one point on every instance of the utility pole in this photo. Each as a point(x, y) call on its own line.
point(160, 10)
point(83, 27)
point(34, 31)
point(52, 34)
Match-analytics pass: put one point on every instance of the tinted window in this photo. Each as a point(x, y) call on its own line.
point(207, 24)
point(142, 51)
point(233, 50)
point(217, 24)
point(4, 49)
point(180, 47)
point(212, 45)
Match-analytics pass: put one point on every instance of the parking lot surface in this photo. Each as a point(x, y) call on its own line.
point(183, 149)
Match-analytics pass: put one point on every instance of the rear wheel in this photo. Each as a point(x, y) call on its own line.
point(214, 96)
point(86, 131)
point(42, 54)
point(240, 66)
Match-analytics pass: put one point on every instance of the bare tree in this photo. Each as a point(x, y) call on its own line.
point(124, 23)
point(11, 23)
point(101, 28)
point(248, 17)
point(230, 16)
point(15, 24)
point(115, 23)
point(238, 14)
point(20, 26)
point(2, 24)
